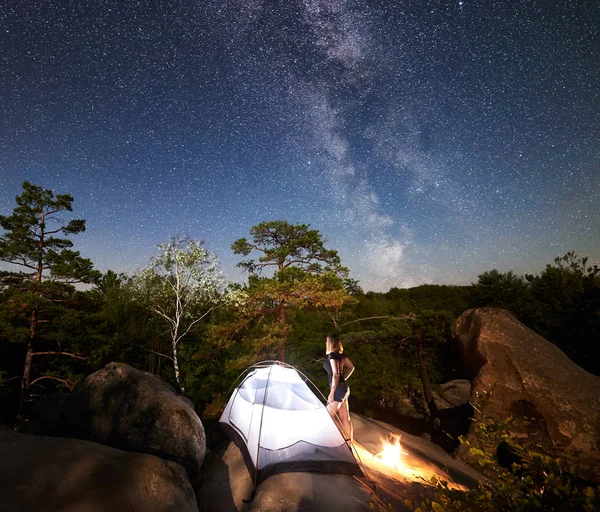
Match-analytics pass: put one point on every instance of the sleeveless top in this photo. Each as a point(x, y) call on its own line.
point(327, 365)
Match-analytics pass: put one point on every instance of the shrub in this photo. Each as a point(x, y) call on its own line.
point(534, 480)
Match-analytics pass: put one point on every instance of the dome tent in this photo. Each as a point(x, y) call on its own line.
point(280, 425)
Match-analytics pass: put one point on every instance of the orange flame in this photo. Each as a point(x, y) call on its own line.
point(391, 455)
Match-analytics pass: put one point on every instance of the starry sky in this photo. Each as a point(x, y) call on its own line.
point(429, 141)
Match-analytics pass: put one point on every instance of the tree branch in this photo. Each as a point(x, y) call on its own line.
point(154, 352)
point(58, 353)
point(51, 212)
point(410, 316)
point(364, 319)
point(256, 248)
point(54, 231)
point(194, 323)
point(160, 312)
point(270, 262)
point(64, 381)
point(33, 232)
point(21, 264)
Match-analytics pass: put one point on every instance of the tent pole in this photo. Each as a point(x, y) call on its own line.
point(246, 371)
point(262, 413)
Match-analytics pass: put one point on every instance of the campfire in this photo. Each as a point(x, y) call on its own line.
point(391, 455)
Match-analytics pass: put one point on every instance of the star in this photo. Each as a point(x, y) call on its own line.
point(415, 140)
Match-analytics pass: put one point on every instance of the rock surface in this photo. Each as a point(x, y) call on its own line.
point(227, 481)
point(453, 393)
point(136, 411)
point(40, 474)
point(529, 376)
point(46, 415)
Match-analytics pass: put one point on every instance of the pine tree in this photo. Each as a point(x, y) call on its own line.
point(305, 273)
point(47, 270)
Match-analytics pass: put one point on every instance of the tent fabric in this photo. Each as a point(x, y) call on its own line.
point(280, 425)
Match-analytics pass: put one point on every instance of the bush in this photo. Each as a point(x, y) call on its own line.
point(534, 480)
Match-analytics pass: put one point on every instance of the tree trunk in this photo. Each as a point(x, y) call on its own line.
point(176, 367)
point(281, 320)
point(425, 381)
point(159, 362)
point(20, 420)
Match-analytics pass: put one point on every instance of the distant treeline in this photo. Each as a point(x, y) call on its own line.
point(177, 319)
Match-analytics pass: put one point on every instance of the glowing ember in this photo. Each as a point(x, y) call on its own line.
point(391, 455)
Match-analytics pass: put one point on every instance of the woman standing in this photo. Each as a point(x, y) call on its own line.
point(335, 365)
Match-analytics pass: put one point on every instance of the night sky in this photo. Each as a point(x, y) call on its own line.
point(428, 141)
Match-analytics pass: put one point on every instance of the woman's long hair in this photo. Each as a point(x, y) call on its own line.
point(333, 344)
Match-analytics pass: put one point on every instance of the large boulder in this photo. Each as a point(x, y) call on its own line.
point(453, 402)
point(136, 411)
point(454, 393)
point(50, 474)
point(529, 376)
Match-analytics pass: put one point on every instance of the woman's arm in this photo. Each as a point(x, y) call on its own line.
point(335, 379)
point(350, 367)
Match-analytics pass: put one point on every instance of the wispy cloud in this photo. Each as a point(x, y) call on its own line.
point(401, 139)
point(345, 43)
point(384, 265)
point(336, 31)
point(349, 188)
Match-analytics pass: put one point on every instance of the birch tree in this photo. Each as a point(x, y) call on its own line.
point(181, 286)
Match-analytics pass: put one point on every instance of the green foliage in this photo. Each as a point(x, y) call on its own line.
point(562, 304)
point(29, 240)
point(284, 245)
point(535, 481)
point(305, 275)
point(565, 308)
point(41, 308)
point(124, 330)
point(381, 345)
point(297, 293)
point(433, 326)
point(397, 301)
point(181, 287)
point(502, 290)
point(384, 366)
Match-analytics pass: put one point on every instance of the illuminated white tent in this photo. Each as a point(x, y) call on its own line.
point(280, 425)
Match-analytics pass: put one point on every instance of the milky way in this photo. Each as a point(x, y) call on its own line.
point(428, 141)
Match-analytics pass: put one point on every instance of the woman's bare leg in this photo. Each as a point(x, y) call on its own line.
point(332, 408)
point(334, 412)
point(344, 411)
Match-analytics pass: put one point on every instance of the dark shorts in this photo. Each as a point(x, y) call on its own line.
point(342, 392)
